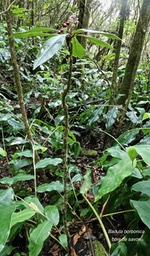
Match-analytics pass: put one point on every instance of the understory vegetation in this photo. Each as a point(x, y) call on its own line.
point(75, 145)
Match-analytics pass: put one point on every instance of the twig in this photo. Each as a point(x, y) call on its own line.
point(8, 7)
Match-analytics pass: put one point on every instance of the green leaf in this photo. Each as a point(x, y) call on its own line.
point(54, 185)
point(128, 136)
point(146, 116)
point(19, 177)
point(25, 153)
point(98, 42)
point(42, 31)
point(6, 196)
point(39, 147)
point(86, 182)
point(109, 35)
point(6, 211)
point(48, 161)
point(143, 209)
point(50, 48)
point(77, 49)
point(38, 236)
point(63, 240)
point(99, 248)
point(21, 216)
point(111, 117)
point(132, 153)
point(18, 164)
point(7, 250)
point(17, 141)
point(142, 186)
point(118, 249)
point(144, 152)
point(3, 152)
point(116, 152)
point(115, 175)
point(52, 213)
point(34, 201)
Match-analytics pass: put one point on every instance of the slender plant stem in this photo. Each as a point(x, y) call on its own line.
point(34, 169)
point(116, 213)
point(65, 140)
point(100, 222)
point(17, 78)
point(4, 145)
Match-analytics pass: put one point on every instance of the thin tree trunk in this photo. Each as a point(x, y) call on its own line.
point(17, 79)
point(118, 45)
point(135, 53)
point(134, 59)
point(84, 16)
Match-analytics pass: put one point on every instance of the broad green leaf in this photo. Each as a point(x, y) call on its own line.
point(146, 172)
point(7, 250)
point(116, 152)
point(77, 49)
point(21, 216)
point(6, 196)
point(3, 152)
point(98, 42)
point(111, 117)
point(52, 213)
point(38, 236)
point(50, 48)
point(17, 141)
point(39, 147)
point(53, 186)
point(144, 152)
point(143, 209)
point(86, 185)
point(35, 201)
point(146, 116)
point(118, 249)
point(115, 175)
point(98, 248)
point(128, 136)
point(18, 164)
point(25, 153)
point(5, 117)
point(63, 240)
point(142, 186)
point(19, 177)
point(42, 31)
point(6, 211)
point(48, 161)
point(132, 153)
point(76, 178)
point(34, 33)
point(109, 35)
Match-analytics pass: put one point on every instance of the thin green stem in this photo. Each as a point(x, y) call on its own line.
point(100, 222)
point(4, 145)
point(116, 213)
point(34, 169)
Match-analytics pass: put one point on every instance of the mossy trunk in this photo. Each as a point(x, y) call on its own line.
point(84, 16)
point(118, 44)
point(135, 54)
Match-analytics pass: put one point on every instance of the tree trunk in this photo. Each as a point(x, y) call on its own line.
point(118, 45)
point(134, 59)
point(17, 79)
point(84, 16)
point(135, 54)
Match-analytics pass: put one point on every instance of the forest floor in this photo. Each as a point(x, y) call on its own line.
point(84, 231)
